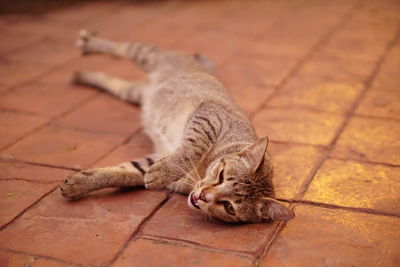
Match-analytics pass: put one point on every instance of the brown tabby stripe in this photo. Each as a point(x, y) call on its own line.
point(209, 124)
point(137, 166)
point(150, 161)
point(193, 142)
point(204, 131)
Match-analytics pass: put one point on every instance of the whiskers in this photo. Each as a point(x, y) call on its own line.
point(187, 176)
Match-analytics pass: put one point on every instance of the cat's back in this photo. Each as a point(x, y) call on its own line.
point(174, 96)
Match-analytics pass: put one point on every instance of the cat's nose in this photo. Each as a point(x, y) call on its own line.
point(203, 197)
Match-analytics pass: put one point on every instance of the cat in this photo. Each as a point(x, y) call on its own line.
point(204, 144)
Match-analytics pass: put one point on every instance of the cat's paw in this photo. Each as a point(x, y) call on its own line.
point(83, 41)
point(159, 176)
point(76, 185)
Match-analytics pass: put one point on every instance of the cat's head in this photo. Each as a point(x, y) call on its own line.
point(238, 188)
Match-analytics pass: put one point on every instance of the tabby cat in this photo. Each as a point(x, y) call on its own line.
point(204, 144)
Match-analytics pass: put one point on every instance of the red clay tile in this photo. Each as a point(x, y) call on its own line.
point(15, 125)
point(17, 195)
point(104, 113)
point(35, 173)
point(333, 97)
point(353, 184)
point(144, 252)
point(249, 97)
point(48, 51)
point(388, 77)
point(330, 237)
point(10, 259)
point(215, 45)
point(271, 69)
point(337, 70)
point(43, 27)
point(88, 232)
point(369, 139)
point(177, 221)
point(119, 24)
point(296, 125)
point(101, 63)
point(365, 47)
point(381, 103)
point(45, 99)
point(139, 146)
point(13, 73)
point(292, 165)
point(61, 146)
point(87, 12)
point(9, 36)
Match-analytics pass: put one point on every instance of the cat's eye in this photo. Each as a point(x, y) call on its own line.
point(229, 208)
point(220, 177)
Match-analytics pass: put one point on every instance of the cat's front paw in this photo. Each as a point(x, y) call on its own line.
point(76, 185)
point(159, 176)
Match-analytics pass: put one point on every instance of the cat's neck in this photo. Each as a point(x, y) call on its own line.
point(233, 144)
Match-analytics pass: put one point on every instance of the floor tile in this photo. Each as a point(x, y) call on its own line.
point(145, 252)
point(292, 166)
point(89, 231)
point(15, 259)
point(325, 96)
point(15, 125)
point(139, 146)
point(17, 195)
point(19, 170)
point(354, 184)
point(104, 114)
point(296, 125)
point(66, 147)
point(45, 99)
point(369, 139)
point(380, 103)
point(178, 221)
point(326, 237)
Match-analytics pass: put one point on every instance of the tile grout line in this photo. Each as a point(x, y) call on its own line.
point(42, 256)
point(27, 162)
point(367, 85)
point(28, 180)
point(197, 246)
point(292, 72)
point(335, 206)
point(137, 232)
point(57, 66)
point(324, 39)
point(52, 120)
point(4, 226)
point(353, 209)
point(366, 161)
point(124, 142)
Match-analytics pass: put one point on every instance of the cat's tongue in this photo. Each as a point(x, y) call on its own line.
point(193, 200)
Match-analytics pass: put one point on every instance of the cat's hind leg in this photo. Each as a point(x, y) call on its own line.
point(127, 174)
point(126, 90)
point(144, 55)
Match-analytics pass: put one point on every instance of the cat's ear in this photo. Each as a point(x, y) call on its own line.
point(271, 209)
point(255, 153)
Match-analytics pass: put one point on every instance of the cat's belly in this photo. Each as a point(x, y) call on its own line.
point(165, 123)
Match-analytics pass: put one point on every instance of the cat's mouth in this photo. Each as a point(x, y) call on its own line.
point(193, 200)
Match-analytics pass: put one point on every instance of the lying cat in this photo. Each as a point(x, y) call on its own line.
point(204, 144)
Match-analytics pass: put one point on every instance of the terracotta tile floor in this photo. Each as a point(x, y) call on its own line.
point(320, 78)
